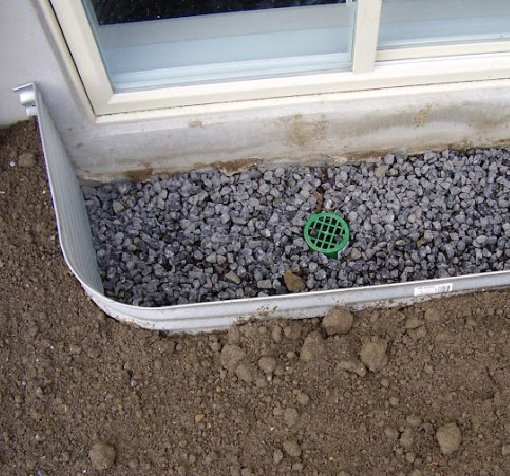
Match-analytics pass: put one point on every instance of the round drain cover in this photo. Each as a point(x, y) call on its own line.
point(327, 233)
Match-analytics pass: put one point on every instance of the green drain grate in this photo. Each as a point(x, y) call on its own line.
point(327, 233)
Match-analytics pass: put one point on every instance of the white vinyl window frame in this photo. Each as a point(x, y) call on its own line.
point(226, 46)
point(371, 69)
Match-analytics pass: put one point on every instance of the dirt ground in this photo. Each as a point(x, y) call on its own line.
point(420, 390)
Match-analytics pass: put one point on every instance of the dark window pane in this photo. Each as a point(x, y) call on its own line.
point(124, 11)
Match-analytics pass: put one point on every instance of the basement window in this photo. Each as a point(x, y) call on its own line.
point(144, 55)
point(178, 43)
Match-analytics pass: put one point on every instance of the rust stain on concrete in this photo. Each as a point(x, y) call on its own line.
point(232, 166)
point(421, 117)
point(301, 132)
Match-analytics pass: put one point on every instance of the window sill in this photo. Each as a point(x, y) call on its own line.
point(263, 93)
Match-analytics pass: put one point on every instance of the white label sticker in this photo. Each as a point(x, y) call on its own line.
point(437, 289)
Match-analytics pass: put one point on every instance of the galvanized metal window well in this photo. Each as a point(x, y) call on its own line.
point(76, 243)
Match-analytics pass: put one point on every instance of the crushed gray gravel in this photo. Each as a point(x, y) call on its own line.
point(206, 236)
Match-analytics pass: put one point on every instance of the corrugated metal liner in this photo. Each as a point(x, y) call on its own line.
point(76, 242)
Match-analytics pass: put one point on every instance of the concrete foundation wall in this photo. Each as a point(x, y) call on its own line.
point(337, 128)
point(322, 128)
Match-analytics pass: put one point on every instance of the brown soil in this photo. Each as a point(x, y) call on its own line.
point(388, 396)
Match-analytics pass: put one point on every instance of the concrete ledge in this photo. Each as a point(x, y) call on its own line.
point(322, 129)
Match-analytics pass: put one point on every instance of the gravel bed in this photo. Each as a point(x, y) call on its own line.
point(207, 236)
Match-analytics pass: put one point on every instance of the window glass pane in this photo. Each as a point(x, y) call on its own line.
point(407, 23)
point(123, 11)
point(184, 43)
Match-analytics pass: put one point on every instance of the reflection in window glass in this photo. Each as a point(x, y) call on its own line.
point(184, 45)
point(123, 11)
point(406, 23)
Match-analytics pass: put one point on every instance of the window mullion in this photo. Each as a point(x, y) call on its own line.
point(365, 35)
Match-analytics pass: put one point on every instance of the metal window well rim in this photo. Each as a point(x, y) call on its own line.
point(75, 238)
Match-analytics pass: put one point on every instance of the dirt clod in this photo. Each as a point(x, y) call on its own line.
point(291, 417)
point(292, 448)
point(406, 439)
point(432, 315)
point(294, 283)
point(276, 334)
point(313, 347)
point(27, 160)
point(373, 354)
point(391, 433)
point(302, 398)
point(449, 438)
point(245, 372)
point(428, 369)
point(102, 455)
point(267, 364)
point(337, 321)
point(414, 323)
point(393, 401)
point(293, 331)
point(230, 356)
point(413, 421)
point(353, 365)
point(277, 456)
